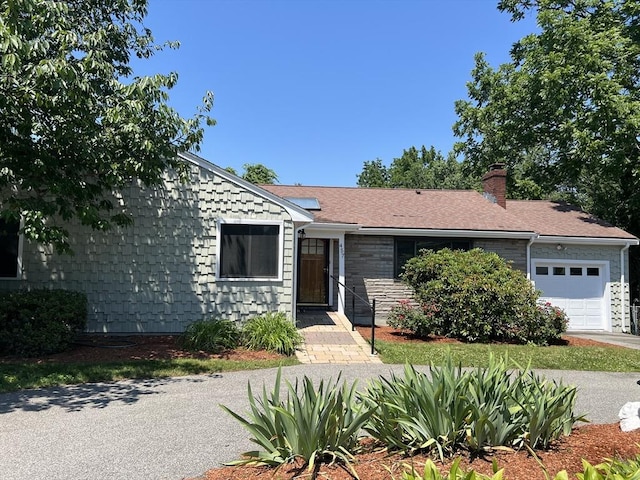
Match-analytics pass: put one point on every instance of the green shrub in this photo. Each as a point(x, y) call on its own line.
point(316, 425)
point(272, 331)
point(212, 336)
point(477, 297)
point(405, 316)
point(451, 408)
point(40, 322)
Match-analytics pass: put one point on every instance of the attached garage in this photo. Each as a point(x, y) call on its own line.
point(580, 289)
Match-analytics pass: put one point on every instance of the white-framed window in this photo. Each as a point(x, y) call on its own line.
point(10, 249)
point(249, 250)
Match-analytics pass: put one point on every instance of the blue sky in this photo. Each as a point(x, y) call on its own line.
point(314, 88)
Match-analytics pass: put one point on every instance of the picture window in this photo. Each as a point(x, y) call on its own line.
point(9, 248)
point(249, 250)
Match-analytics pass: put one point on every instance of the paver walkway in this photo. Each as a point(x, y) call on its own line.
point(328, 339)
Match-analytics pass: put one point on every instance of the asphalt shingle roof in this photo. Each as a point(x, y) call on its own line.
point(405, 208)
point(446, 210)
point(563, 219)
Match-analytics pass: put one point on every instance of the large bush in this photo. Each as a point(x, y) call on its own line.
point(212, 336)
point(40, 322)
point(272, 331)
point(477, 297)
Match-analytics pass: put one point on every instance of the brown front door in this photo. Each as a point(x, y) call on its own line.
point(314, 272)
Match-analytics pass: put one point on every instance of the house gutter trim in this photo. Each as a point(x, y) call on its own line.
point(420, 232)
point(334, 227)
point(587, 240)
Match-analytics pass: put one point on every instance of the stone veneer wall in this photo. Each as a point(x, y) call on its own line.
point(585, 253)
point(369, 266)
point(514, 251)
point(158, 275)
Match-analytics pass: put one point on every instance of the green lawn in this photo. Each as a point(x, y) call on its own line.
point(20, 376)
point(604, 359)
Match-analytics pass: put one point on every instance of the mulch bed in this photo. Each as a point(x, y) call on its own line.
point(106, 348)
point(389, 334)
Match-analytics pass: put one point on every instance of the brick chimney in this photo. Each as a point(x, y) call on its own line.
point(494, 184)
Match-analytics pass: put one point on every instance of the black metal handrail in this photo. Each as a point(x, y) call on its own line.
point(371, 306)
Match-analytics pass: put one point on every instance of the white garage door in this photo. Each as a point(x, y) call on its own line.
point(577, 289)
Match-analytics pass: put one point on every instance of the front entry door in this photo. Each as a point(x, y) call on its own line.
point(314, 272)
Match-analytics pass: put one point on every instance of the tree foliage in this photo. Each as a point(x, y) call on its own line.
point(75, 124)
point(423, 168)
point(566, 108)
point(259, 174)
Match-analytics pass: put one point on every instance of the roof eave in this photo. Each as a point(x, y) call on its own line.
point(613, 241)
point(298, 214)
point(333, 227)
point(418, 232)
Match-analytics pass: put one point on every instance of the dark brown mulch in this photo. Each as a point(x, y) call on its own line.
point(591, 442)
point(105, 348)
point(390, 334)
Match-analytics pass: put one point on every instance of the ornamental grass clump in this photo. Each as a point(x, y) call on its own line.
point(451, 409)
point(211, 336)
point(316, 425)
point(272, 331)
point(419, 412)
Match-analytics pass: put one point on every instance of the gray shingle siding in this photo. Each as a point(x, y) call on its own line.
point(158, 275)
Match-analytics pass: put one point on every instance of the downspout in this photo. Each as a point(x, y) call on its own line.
point(296, 258)
point(341, 274)
point(623, 290)
point(531, 240)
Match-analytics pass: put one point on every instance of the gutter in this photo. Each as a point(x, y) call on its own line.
point(603, 241)
point(418, 232)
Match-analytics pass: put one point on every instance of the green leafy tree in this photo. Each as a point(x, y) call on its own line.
point(417, 168)
point(374, 175)
point(259, 174)
point(75, 124)
point(565, 112)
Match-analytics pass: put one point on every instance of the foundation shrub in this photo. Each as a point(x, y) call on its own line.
point(272, 331)
point(415, 319)
point(476, 296)
point(41, 322)
point(211, 336)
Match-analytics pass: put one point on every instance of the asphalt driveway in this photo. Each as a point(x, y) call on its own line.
point(174, 428)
